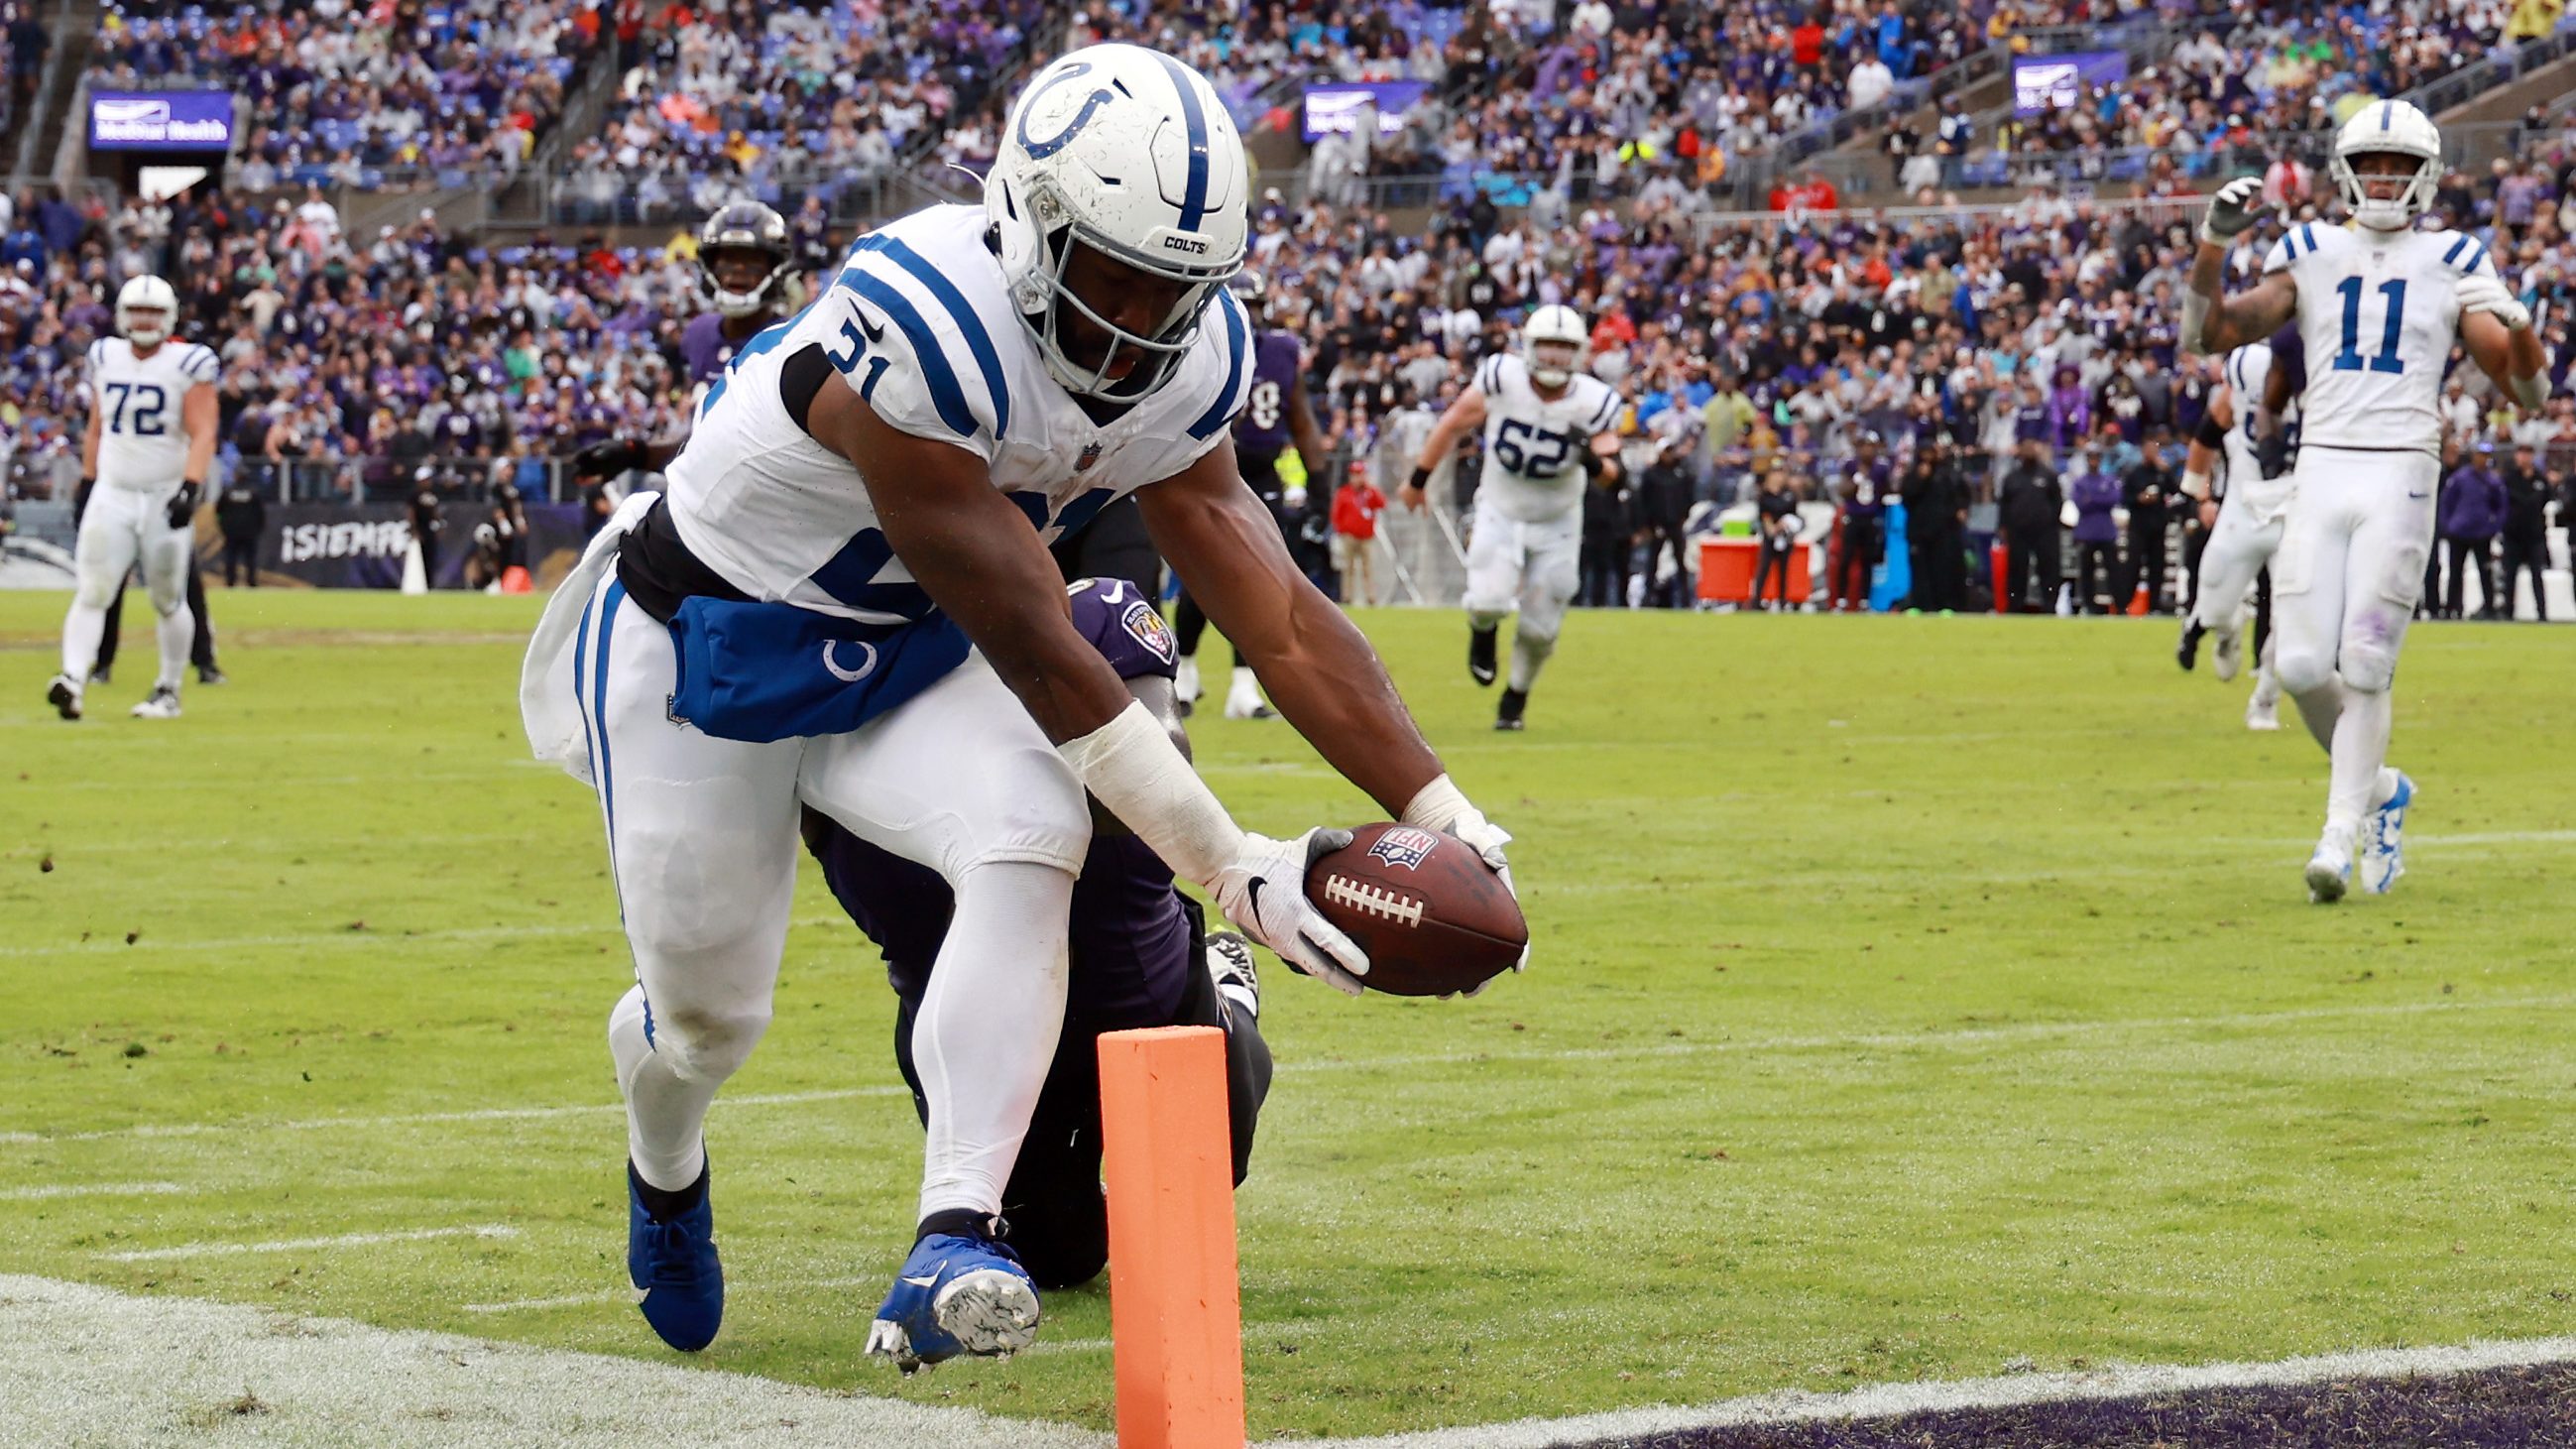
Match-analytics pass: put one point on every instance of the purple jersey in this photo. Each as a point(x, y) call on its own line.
point(1130, 937)
point(704, 348)
point(1262, 426)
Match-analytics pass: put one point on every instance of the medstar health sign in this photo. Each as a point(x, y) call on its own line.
point(161, 120)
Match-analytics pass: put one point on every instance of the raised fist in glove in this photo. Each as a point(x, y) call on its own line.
point(2479, 292)
point(1263, 892)
point(607, 460)
point(2231, 211)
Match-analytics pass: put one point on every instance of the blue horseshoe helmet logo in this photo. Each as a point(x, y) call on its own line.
point(1040, 150)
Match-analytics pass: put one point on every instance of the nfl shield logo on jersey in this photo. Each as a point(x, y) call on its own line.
point(1090, 455)
point(1407, 847)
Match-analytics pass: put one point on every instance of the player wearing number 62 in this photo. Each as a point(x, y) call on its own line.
point(844, 600)
point(151, 441)
point(2377, 302)
point(1546, 425)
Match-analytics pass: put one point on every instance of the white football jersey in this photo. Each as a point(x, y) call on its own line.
point(1534, 445)
point(2378, 312)
point(918, 322)
point(142, 445)
point(2248, 368)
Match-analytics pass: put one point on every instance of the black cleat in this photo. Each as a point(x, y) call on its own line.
point(2187, 653)
point(65, 696)
point(99, 675)
point(1507, 712)
point(1480, 654)
point(209, 674)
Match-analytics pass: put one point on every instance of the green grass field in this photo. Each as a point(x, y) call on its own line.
point(1911, 998)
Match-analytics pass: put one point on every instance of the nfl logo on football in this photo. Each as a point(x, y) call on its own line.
point(1407, 848)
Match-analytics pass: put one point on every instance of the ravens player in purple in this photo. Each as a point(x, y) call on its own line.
point(1276, 414)
point(1142, 957)
point(745, 258)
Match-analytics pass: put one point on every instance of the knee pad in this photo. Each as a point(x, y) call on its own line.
point(2368, 666)
point(2301, 670)
point(702, 1045)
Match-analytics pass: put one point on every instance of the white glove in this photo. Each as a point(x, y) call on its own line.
point(2231, 211)
point(2481, 293)
point(1440, 806)
point(1263, 892)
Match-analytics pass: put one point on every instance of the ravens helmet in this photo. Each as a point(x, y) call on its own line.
point(743, 257)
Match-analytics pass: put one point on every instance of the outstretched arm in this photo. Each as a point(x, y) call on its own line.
point(1316, 666)
point(1463, 417)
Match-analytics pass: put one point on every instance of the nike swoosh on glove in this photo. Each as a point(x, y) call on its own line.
point(2231, 211)
point(1263, 892)
point(2481, 293)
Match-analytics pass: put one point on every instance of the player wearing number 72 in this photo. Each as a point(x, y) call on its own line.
point(151, 440)
point(2377, 303)
point(1546, 425)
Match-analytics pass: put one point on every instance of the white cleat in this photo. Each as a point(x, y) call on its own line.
point(2383, 840)
point(64, 694)
point(1185, 684)
point(2262, 713)
point(164, 704)
point(2329, 871)
point(2227, 660)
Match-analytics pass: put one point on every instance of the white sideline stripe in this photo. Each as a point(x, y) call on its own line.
point(1887, 1401)
point(109, 942)
point(89, 1189)
point(90, 1366)
point(298, 1245)
point(1871, 1041)
point(733, 1286)
point(410, 1119)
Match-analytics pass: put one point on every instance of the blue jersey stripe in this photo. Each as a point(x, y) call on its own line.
point(580, 647)
point(2477, 254)
point(599, 710)
point(2308, 234)
point(1194, 191)
point(979, 342)
point(945, 394)
point(1238, 350)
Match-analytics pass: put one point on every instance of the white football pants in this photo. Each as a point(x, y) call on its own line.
point(1534, 567)
point(703, 844)
point(124, 527)
point(2344, 585)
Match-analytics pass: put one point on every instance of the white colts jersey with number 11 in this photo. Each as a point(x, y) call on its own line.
point(2378, 312)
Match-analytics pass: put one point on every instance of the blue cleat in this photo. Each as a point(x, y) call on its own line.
point(957, 1293)
point(679, 1285)
point(2383, 840)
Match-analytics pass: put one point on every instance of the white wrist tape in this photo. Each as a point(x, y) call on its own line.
point(1131, 765)
point(2195, 315)
point(2197, 485)
point(1437, 806)
point(2531, 392)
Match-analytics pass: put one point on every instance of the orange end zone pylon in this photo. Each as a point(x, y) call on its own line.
point(1174, 1311)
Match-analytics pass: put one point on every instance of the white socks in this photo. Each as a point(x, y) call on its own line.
point(665, 1116)
point(83, 628)
point(174, 631)
point(986, 1032)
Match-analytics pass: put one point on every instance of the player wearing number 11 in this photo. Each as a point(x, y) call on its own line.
point(2377, 303)
point(1546, 425)
point(151, 440)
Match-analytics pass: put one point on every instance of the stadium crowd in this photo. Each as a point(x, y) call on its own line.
point(1762, 357)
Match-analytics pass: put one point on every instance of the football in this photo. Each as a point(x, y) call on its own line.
point(1423, 905)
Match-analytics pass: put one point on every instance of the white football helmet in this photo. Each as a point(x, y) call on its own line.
point(1129, 152)
point(1560, 330)
point(145, 294)
point(2388, 126)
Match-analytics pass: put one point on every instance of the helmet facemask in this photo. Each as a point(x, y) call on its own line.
point(1042, 301)
point(131, 321)
point(1552, 363)
point(2395, 213)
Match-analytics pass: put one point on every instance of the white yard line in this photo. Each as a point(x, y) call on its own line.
point(1863, 1041)
point(88, 1366)
point(1887, 1401)
point(414, 1119)
point(95, 1366)
point(300, 1245)
point(89, 1189)
point(110, 943)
